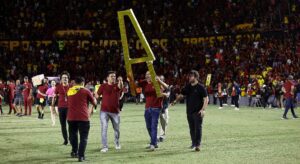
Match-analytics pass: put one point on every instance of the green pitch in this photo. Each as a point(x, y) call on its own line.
point(251, 135)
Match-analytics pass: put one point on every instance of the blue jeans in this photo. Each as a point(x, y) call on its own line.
point(115, 120)
point(289, 104)
point(151, 119)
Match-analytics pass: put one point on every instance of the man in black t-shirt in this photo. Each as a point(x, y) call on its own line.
point(196, 102)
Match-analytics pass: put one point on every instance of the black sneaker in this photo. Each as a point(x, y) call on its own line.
point(284, 118)
point(161, 139)
point(65, 143)
point(42, 116)
point(197, 148)
point(81, 159)
point(74, 155)
point(295, 117)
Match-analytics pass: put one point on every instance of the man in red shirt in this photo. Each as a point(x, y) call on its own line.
point(41, 98)
point(2, 85)
point(61, 92)
point(110, 110)
point(153, 107)
point(288, 90)
point(27, 94)
point(78, 117)
point(11, 94)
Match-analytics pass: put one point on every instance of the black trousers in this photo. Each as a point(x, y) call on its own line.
point(265, 101)
point(195, 125)
point(235, 100)
point(83, 127)
point(1, 109)
point(63, 122)
point(221, 99)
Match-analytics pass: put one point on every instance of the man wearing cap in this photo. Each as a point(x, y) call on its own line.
point(288, 90)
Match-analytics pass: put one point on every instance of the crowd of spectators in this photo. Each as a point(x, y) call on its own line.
point(225, 60)
point(36, 19)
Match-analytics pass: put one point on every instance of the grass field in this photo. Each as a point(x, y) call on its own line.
point(251, 135)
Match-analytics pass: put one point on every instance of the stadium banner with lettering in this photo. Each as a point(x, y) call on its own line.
point(163, 42)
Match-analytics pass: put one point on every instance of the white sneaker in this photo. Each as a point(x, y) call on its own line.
point(232, 105)
point(152, 147)
point(220, 107)
point(236, 108)
point(104, 150)
point(118, 147)
point(225, 104)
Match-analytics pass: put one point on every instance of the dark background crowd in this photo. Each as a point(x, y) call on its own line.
point(277, 22)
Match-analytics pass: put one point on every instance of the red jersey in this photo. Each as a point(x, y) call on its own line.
point(11, 90)
point(288, 89)
point(233, 93)
point(78, 105)
point(2, 86)
point(26, 91)
point(61, 91)
point(152, 101)
point(43, 89)
point(110, 97)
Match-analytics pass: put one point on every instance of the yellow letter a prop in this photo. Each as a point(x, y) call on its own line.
point(128, 61)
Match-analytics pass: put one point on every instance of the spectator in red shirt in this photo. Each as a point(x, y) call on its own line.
point(110, 108)
point(78, 117)
point(288, 90)
point(27, 94)
point(2, 86)
point(153, 107)
point(41, 98)
point(61, 92)
point(11, 94)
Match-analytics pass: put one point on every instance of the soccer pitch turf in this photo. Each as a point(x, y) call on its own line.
point(251, 135)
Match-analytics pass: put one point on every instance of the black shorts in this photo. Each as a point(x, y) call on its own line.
point(50, 101)
point(41, 102)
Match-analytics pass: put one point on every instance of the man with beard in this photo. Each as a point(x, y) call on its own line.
point(197, 100)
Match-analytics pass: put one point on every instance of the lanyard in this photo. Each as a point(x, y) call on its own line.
point(66, 98)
